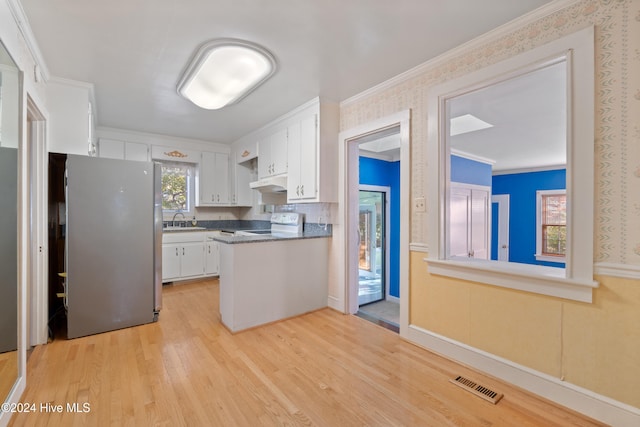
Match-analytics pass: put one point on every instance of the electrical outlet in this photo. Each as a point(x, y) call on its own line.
point(419, 204)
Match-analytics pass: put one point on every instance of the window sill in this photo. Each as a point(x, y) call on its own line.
point(537, 279)
point(549, 258)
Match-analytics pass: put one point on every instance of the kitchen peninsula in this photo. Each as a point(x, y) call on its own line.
point(266, 278)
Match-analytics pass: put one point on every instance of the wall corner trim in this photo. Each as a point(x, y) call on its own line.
point(579, 399)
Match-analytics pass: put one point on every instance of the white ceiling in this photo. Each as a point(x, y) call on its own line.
point(529, 117)
point(135, 51)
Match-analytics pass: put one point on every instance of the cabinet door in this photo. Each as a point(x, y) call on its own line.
point(136, 151)
point(480, 205)
point(264, 158)
point(279, 152)
point(469, 217)
point(302, 182)
point(212, 258)
point(308, 158)
point(206, 178)
point(192, 263)
point(221, 178)
point(293, 174)
point(242, 176)
point(111, 148)
point(171, 255)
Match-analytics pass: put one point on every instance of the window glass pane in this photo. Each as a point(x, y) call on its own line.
point(554, 239)
point(175, 187)
point(554, 209)
point(554, 220)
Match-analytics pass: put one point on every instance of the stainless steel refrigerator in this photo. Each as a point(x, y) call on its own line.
point(113, 246)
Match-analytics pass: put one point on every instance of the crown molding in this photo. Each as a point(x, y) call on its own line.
point(41, 70)
point(479, 41)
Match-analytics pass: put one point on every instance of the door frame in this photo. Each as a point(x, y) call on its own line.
point(387, 226)
point(502, 200)
point(341, 295)
point(37, 288)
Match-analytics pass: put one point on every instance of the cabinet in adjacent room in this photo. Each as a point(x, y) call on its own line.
point(213, 185)
point(469, 216)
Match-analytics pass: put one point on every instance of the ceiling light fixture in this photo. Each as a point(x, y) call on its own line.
point(467, 123)
point(224, 71)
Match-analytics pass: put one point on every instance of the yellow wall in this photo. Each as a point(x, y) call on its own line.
point(595, 346)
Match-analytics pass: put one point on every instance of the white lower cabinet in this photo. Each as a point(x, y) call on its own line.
point(189, 255)
point(211, 255)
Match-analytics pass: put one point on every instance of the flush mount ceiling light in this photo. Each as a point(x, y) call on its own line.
point(224, 71)
point(467, 123)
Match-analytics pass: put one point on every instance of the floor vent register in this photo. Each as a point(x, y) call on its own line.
point(477, 389)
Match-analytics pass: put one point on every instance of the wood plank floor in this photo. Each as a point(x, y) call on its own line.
point(321, 369)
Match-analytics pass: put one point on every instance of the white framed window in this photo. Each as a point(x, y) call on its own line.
point(574, 280)
point(178, 187)
point(551, 225)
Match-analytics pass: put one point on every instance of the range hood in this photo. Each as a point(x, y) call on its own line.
point(272, 184)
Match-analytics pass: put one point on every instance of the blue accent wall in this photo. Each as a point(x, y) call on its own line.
point(522, 189)
point(470, 171)
point(387, 174)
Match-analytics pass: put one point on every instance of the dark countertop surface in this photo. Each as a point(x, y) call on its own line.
point(260, 238)
point(311, 231)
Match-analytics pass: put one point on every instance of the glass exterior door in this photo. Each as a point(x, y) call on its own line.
point(371, 265)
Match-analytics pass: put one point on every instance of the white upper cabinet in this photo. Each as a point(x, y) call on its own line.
point(115, 149)
point(302, 182)
point(70, 117)
point(213, 180)
point(313, 155)
point(272, 152)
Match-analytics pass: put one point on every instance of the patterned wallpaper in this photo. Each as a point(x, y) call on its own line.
point(617, 115)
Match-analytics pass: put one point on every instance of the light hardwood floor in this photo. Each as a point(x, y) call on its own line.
point(323, 369)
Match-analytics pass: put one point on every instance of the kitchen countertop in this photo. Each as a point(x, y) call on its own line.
point(231, 240)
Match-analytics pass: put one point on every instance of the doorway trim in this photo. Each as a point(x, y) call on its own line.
point(387, 227)
point(37, 288)
point(502, 200)
point(346, 238)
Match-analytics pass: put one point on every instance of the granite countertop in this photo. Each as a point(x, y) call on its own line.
point(311, 231)
point(315, 234)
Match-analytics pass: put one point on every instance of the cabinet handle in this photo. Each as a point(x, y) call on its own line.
point(177, 253)
point(182, 251)
point(298, 190)
point(302, 189)
point(209, 248)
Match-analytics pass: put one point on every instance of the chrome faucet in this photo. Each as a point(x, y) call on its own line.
point(173, 221)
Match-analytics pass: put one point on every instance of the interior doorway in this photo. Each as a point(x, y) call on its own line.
point(369, 137)
point(373, 248)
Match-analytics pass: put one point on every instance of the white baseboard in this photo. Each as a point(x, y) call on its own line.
point(579, 399)
point(336, 304)
point(393, 299)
